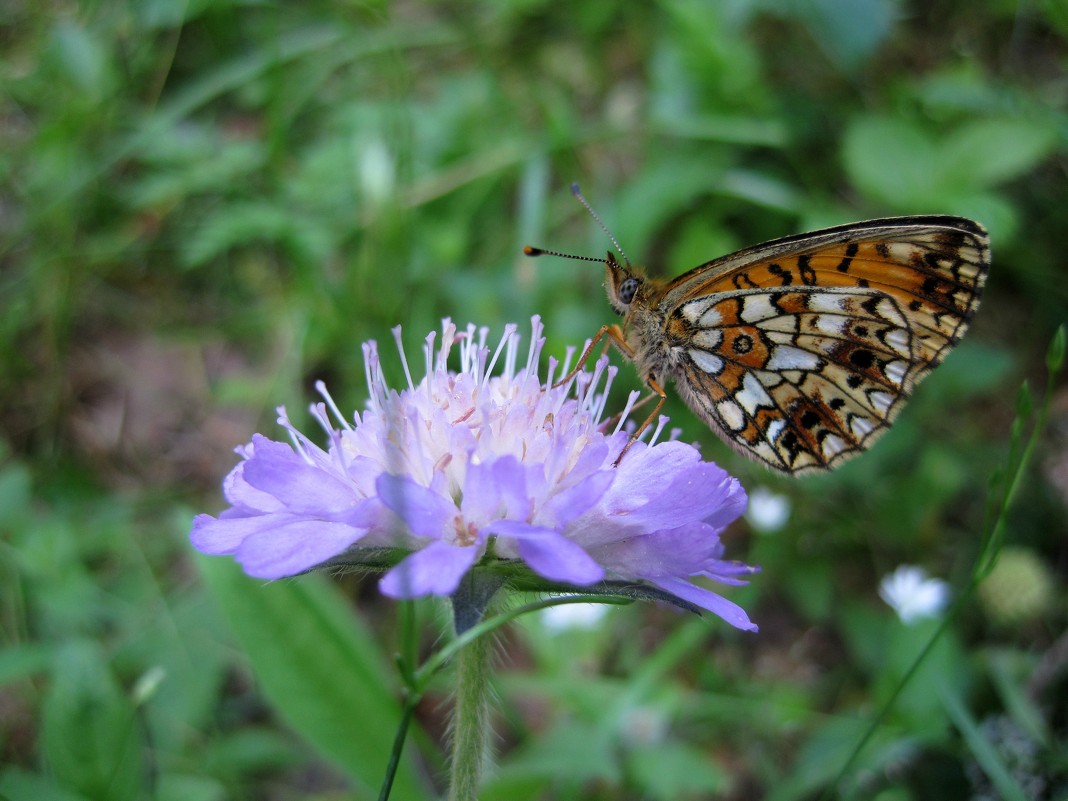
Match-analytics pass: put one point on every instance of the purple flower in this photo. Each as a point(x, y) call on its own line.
point(468, 468)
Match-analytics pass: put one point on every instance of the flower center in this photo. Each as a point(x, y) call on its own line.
point(466, 533)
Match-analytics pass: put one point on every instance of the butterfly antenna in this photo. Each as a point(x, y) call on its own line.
point(532, 251)
point(577, 193)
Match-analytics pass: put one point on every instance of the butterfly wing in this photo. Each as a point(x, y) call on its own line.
point(801, 351)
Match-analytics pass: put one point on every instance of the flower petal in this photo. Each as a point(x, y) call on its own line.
point(496, 489)
point(302, 489)
point(425, 512)
point(706, 599)
point(294, 547)
point(433, 570)
point(667, 486)
point(571, 503)
point(549, 553)
point(225, 534)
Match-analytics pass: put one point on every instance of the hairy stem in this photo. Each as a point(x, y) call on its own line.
point(470, 724)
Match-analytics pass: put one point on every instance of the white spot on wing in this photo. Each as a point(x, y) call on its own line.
point(710, 318)
point(827, 324)
point(708, 339)
point(900, 252)
point(898, 339)
point(775, 428)
point(888, 310)
point(832, 445)
point(753, 395)
point(764, 451)
point(785, 357)
point(881, 400)
point(895, 371)
point(701, 313)
point(731, 414)
point(832, 302)
point(861, 426)
point(706, 361)
point(757, 307)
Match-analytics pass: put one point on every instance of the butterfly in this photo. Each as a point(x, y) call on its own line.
point(800, 352)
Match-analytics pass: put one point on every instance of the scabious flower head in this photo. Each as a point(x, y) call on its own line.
point(466, 469)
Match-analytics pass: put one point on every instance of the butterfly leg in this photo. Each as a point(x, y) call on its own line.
point(658, 392)
point(612, 421)
point(615, 336)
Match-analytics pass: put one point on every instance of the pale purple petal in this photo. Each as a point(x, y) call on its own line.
point(294, 547)
point(497, 489)
point(225, 534)
point(668, 486)
point(242, 495)
point(706, 599)
point(433, 570)
point(572, 502)
point(683, 551)
point(549, 553)
point(301, 488)
point(425, 512)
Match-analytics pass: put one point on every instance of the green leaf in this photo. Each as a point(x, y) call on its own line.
point(17, 785)
point(22, 661)
point(83, 60)
point(891, 161)
point(848, 31)
point(987, 152)
point(1055, 353)
point(320, 668)
point(90, 733)
point(178, 787)
point(574, 751)
point(246, 223)
point(918, 702)
point(674, 770)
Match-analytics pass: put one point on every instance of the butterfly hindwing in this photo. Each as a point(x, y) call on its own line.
point(798, 377)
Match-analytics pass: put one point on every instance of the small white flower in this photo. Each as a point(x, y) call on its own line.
point(913, 595)
point(768, 511)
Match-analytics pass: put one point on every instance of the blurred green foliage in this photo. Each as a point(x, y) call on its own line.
point(206, 206)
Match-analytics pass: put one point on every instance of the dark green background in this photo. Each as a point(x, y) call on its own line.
point(206, 206)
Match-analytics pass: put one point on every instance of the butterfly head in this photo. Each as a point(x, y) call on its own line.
point(622, 283)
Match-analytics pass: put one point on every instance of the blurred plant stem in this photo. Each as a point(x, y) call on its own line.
point(470, 720)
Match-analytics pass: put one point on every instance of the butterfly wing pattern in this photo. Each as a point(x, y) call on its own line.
point(801, 351)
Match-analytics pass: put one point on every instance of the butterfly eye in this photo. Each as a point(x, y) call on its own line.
point(627, 290)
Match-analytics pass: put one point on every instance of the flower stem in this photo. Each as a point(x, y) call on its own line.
point(398, 746)
point(470, 724)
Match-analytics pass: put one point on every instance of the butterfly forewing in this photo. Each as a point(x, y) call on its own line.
point(801, 351)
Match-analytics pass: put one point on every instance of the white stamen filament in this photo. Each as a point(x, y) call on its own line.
point(403, 356)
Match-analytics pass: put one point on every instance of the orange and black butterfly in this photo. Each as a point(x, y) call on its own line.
point(800, 352)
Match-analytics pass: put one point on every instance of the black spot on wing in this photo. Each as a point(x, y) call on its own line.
point(851, 251)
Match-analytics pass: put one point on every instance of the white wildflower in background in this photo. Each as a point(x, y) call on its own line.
point(913, 595)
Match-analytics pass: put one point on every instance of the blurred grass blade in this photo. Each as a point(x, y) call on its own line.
point(985, 753)
point(89, 729)
point(321, 669)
